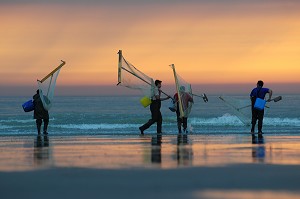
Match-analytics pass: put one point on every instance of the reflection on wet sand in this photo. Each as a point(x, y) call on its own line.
point(184, 151)
point(164, 151)
point(258, 148)
point(247, 194)
point(156, 142)
point(41, 153)
point(225, 166)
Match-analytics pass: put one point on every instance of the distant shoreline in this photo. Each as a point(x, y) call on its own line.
point(113, 90)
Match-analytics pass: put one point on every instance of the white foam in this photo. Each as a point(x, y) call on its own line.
point(18, 121)
point(230, 120)
point(225, 120)
point(282, 121)
point(5, 127)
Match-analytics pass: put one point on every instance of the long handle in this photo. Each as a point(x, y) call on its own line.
point(142, 80)
point(204, 97)
point(276, 99)
point(119, 72)
point(57, 68)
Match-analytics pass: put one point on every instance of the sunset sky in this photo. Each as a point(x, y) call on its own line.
point(209, 41)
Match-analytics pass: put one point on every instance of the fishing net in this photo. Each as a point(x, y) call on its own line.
point(240, 107)
point(46, 87)
point(129, 76)
point(184, 91)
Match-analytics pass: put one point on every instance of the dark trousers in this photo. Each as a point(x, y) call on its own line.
point(39, 124)
point(181, 121)
point(155, 116)
point(257, 115)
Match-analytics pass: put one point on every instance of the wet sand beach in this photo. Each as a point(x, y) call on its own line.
point(150, 166)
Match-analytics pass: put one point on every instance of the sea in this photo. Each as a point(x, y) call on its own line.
point(122, 115)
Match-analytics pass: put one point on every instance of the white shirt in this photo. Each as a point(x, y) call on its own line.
point(156, 92)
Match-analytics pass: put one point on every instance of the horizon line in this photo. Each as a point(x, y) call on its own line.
point(114, 90)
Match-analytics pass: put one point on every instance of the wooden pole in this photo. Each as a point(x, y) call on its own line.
point(57, 68)
point(119, 67)
point(178, 93)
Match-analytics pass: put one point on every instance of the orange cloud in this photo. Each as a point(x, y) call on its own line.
point(207, 43)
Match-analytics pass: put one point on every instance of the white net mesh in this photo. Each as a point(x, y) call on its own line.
point(47, 87)
point(184, 90)
point(130, 77)
point(240, 107)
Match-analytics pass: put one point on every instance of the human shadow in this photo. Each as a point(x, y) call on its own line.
point(156, 142)
point(184, 152)
point(41, 150)
point(258, 148)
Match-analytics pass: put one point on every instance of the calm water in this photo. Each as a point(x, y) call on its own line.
point(123, 115)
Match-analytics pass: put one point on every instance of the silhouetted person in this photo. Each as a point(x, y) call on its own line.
point(185, 100)
point(155, 109)
point(40, 114)
point(258, 92)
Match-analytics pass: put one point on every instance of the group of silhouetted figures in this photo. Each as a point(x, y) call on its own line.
point(257, 94)
point(257, 97)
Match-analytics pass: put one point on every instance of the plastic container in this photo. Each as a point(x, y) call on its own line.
point(28, 106)
point(145, 101)
point(259, 104)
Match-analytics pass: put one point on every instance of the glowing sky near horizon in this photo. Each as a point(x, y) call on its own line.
point(219, 41)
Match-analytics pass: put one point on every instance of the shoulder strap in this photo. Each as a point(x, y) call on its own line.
point(258, 92)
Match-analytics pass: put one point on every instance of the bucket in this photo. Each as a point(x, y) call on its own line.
point(259, 104)
point(172, 105)
point(28, 106)
point(145, 101)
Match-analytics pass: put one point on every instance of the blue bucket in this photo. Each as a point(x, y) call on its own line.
point(259, 104)
point(173, 105)
point(28, 106)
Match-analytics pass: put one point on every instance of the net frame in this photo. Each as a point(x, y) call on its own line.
point(131, 77)
point(47, 86)
point(179, 81)
point(240, 108)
